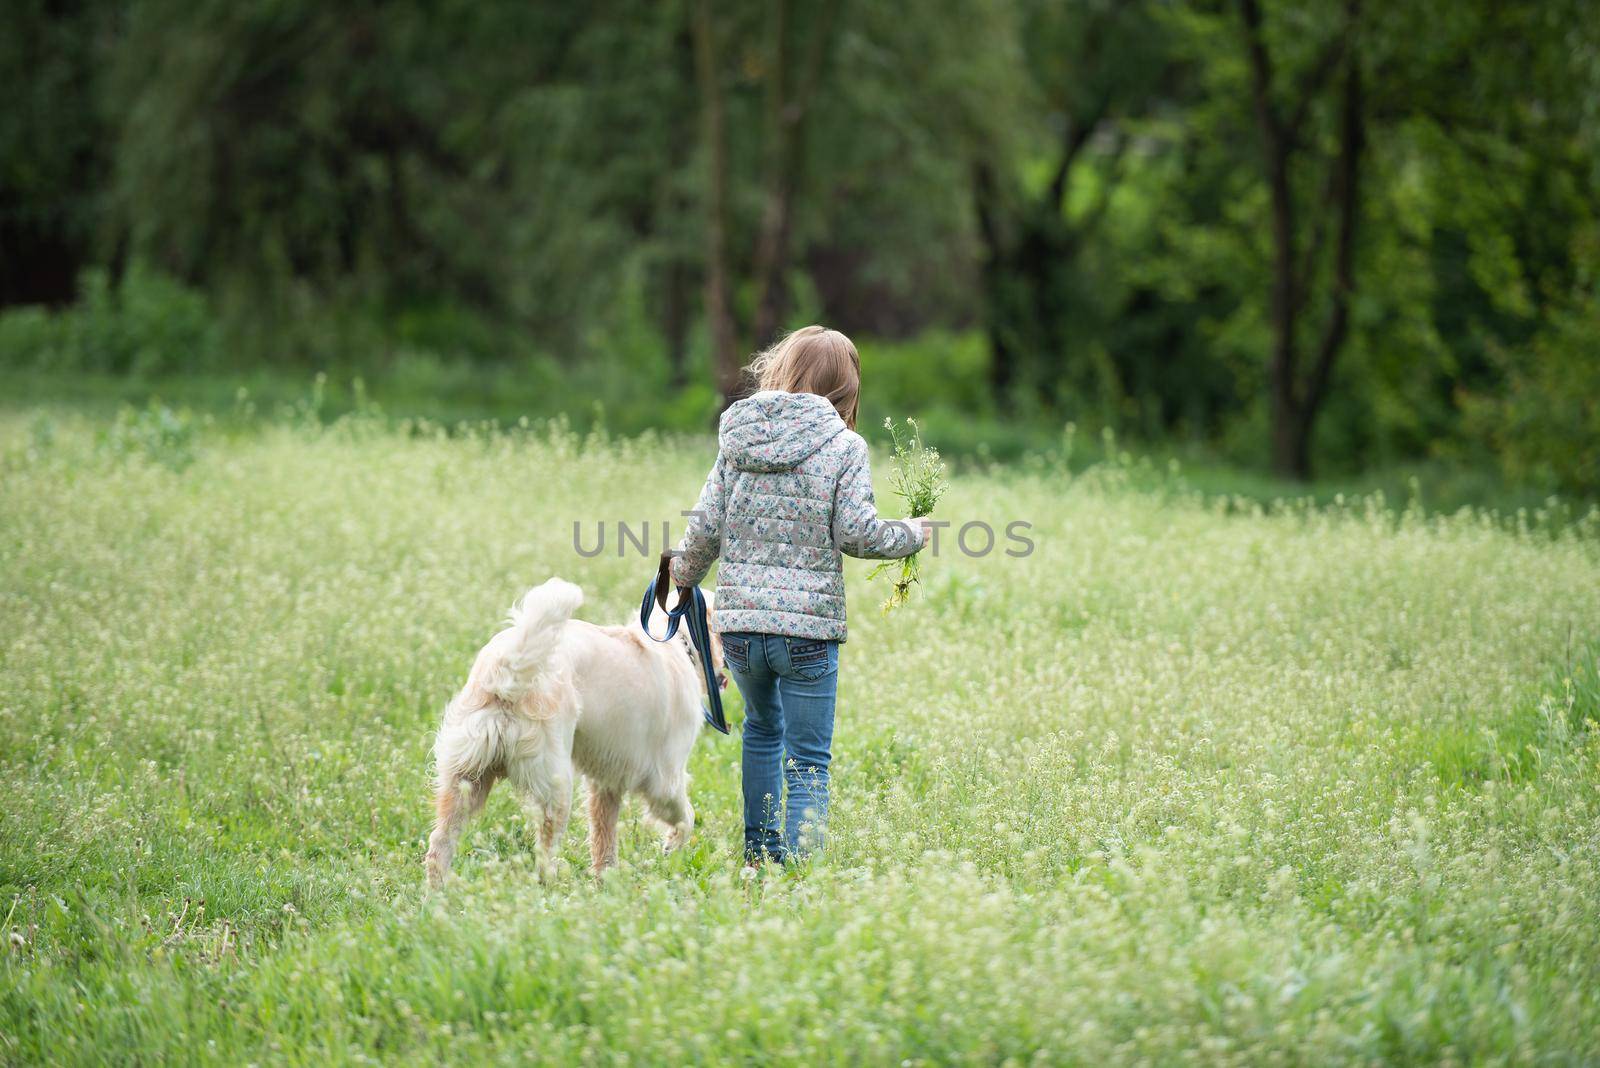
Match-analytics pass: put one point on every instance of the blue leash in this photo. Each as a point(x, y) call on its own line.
point(691, 609)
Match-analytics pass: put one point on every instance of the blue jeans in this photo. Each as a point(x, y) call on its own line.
point(789, 685)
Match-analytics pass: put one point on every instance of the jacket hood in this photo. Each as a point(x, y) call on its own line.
point(776, 431)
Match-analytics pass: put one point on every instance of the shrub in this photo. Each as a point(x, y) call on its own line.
point(146, 323)
point(1545, 426)
point(156, 433)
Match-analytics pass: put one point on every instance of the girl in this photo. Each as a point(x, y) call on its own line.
point(790, 489)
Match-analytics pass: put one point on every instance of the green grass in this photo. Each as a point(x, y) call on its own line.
point(1195, 780)
point(417, 388)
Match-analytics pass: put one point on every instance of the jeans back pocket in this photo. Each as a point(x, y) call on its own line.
point(809, 658)
point(736, 651)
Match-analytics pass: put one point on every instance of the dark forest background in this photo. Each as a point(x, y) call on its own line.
point(1321, 236)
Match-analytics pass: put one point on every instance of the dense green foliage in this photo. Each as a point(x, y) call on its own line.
point(1189, 781)
point(1084, 196)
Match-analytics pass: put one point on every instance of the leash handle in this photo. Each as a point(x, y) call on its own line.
point(663, 580)
point(691, 609)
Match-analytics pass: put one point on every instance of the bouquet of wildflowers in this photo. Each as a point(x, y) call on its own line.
point(919, 477)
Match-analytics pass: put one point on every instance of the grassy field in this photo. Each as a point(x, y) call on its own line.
point(1194, 781)
point(504, 396)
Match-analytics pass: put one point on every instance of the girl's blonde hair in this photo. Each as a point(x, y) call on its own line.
point(816, 360)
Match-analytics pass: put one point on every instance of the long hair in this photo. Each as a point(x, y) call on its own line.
point(816, 360)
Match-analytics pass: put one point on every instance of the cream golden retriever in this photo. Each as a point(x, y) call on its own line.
point(550, 694)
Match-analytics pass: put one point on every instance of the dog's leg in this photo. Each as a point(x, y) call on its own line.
point(677, 814)
point(547, 800)
point(456, 801)
point(604, 805)
point(557, 811)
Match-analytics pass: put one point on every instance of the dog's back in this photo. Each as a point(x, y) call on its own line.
point(639, 707)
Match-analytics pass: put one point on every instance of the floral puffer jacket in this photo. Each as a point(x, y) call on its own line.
point(791, 490)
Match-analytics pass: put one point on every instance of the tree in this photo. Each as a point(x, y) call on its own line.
point(1296, 390)
point(54, 147)
point(1093, 71)
point(714, 133)
point(790, 73)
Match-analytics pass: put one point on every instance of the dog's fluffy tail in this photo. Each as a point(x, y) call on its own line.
point(536, 624)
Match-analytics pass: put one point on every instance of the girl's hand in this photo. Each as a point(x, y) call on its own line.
point(927, 532)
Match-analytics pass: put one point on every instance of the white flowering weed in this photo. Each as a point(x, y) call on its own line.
point(919, 478)
point(1192, 782)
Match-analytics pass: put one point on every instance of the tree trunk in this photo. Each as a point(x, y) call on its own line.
point(1345, 197)
point(41, 263)
point(789, 95)
point(1294, 398)
point(676, 274)
point(1291, 441)
point(1031, 244)
point(1288, 457)
point(782, 128)
point(994, 274)
point(719, 305)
